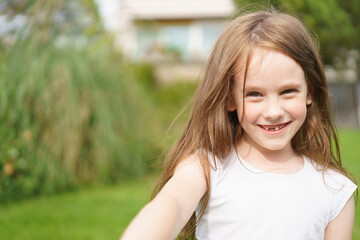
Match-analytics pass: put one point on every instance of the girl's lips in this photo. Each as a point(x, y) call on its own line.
point(274, 129)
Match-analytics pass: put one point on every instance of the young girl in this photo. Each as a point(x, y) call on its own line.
point(259, 157)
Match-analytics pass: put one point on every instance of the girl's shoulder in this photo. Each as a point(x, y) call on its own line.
point(332, 178)
point(335, 186)
point(217, 164)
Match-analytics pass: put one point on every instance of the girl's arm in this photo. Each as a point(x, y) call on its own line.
point(169, 211)
point(341, 227)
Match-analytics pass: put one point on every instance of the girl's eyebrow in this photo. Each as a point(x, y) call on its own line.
point(253, 88)
point(292, 84)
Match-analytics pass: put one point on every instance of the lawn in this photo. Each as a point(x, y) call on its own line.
point(350, 149)
point(92, 214)
point(104, 212)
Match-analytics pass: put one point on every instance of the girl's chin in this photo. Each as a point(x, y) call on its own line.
point(274, 146)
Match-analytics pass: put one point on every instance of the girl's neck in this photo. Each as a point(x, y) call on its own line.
point(286, 159)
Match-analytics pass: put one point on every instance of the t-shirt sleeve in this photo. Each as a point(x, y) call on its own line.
point(341, 188)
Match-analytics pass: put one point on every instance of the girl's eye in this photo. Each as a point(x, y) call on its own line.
point(288, 91)
point(253, 94)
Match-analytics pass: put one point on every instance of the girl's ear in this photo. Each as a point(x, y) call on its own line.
point(309, 99)
point(230, 106)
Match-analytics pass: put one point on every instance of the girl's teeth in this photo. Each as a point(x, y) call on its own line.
point(275, 128)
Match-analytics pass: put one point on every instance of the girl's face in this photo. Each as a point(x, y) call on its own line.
point(274, 100)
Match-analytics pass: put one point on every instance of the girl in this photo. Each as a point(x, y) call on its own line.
point(259, 157)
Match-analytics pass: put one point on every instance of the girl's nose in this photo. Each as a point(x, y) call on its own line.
point(273, 109)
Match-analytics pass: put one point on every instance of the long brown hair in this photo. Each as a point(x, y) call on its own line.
point(215, 131)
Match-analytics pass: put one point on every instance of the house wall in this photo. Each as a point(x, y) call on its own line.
point(160, 30)
point(186, 40)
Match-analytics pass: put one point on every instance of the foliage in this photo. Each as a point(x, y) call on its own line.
point(172, 102)
point(72, 114)
point(335, 22)
point(68, 116)
point(144, 74)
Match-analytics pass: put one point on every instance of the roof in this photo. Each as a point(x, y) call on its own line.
point(177, 9)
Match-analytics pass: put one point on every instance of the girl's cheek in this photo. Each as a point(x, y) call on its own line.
point(253, 110)
point(297, 108)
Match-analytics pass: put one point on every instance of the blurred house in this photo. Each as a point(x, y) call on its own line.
point(163, 30)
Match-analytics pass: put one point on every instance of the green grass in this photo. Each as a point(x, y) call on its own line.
point(103, 213)
point(350, 149)
point(98, 213)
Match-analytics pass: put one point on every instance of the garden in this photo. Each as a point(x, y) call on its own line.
point(83, 130)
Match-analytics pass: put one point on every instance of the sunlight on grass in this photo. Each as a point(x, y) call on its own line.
point(98, 213)
point(350, 151)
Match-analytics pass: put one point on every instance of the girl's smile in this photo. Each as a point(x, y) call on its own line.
point(274, 129)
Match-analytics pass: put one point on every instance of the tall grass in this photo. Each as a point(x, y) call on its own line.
point(68, 117)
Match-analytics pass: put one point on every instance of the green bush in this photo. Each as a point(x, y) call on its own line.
point(144, 74)
point(68, 117)
point(172, 101)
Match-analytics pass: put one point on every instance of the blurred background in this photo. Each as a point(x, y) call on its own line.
point(90, 88)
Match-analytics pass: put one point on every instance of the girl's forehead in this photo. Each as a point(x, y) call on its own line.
point(268, 63)
point(261, 58)
point(251, 62)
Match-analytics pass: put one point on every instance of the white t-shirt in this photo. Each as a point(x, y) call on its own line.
point(246, 203)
